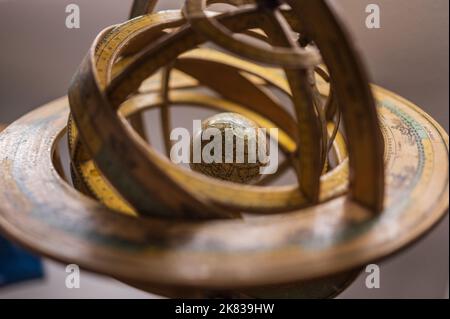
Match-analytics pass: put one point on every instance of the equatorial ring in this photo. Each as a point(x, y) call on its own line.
point(52, 218)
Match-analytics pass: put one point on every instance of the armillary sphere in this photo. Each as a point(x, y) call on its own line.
point(371, 167)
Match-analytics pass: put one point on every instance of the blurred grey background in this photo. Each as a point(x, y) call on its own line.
point(409, 55)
